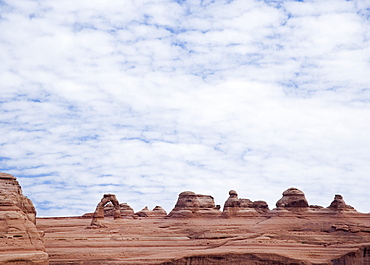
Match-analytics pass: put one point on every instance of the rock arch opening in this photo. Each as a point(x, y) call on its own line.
point(98, 215)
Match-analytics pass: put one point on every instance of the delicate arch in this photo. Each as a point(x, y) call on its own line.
point(99, 211)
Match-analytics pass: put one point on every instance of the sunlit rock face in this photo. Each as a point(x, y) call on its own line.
point(338, 204)
point(292, 198)
point(190, 205)
point(125, 210)
point(98, 215)
point(194, 233)
point(109, 210)
point(157, 211)
point(19, 238)
point(235, 207)
point(15, 226)
point(12, 191)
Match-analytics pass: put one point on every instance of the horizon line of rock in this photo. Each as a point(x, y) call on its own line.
point(192, 205)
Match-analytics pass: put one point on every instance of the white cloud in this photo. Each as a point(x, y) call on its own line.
point(148, 99)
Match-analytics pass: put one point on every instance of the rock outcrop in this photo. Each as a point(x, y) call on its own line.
point(157, 211)
point(109, 210)
point(190, 205)
point(19, 238)
point(11, 190)
point(303, 238)
point(236, 258)
point(338, 204)
point(235, 207)
point(293, 233)
point(292, 198)
point(98, 215)
point(124, 208)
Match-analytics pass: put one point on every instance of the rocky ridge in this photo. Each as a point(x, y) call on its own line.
point(20, 241)
point(196, 231)
point(235, 207)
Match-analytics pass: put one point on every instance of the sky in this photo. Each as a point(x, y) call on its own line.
point(146, 99)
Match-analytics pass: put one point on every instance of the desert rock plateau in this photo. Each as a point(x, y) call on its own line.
point(195, 232)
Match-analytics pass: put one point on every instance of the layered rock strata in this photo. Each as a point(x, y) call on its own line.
point(98, 215)
point(20, 242)
point(157, 211)
point(11, 190)
point(124, 208)
point(235, 207)
point(190, 204)
point(109, 209)
point(338, 204)
point(292, 198)
point(296, 238)
point(236, 258)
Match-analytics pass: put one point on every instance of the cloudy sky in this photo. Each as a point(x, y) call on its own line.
point(146, 99)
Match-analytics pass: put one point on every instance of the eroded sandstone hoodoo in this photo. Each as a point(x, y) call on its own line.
point(235, 207)
point(292, 198)
point(19, 238)
point(98, 215)
point(190, 204)
point(339, 204)
point(125, 210)
point(157, 211)
point(11, 190)
point(292, 233)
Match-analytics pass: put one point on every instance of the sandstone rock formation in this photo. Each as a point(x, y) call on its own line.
point(235, 207)
point(190, 204)
point(292, 198)
point(19, 238)
point(157, 211)
point(339, 204)
point(125, 209)
point(11, 190)
point(98, 215)
point(296, 238)
point(235, 258)
point(292, 233)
